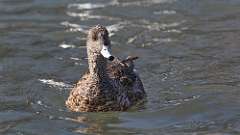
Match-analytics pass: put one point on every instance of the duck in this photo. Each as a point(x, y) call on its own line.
point(110, 84)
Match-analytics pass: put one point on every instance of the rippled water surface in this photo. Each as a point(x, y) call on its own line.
point(189, 62)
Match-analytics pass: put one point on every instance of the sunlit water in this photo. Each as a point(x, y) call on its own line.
point(189, 62)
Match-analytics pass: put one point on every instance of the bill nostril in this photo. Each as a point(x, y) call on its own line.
point(111, 58)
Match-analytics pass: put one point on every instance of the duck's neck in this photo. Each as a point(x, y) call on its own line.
point(97, 66)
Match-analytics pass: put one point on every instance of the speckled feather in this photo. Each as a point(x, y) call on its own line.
point(107, 86)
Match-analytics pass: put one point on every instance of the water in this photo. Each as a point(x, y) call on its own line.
point(189, 63)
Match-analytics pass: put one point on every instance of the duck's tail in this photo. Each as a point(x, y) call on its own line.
point(128, 62)
point(130, 59)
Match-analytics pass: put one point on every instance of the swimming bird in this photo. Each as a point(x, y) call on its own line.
point(110, 84)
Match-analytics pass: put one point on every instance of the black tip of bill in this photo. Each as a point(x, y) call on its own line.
point(111, 58)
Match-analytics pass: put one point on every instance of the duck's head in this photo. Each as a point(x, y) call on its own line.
point(98, 42)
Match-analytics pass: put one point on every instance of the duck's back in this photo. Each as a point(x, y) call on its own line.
point(126, 81)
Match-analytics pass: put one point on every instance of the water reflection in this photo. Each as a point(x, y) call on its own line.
point(94, 123)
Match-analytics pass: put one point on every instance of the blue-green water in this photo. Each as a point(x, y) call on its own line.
point(189, 62)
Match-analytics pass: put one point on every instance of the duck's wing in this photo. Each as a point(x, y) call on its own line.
point(123, 71)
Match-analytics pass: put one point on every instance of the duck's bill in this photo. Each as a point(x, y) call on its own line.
point(106, 53)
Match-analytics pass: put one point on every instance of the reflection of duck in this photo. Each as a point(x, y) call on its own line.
point(107, 86)
point(95, 124)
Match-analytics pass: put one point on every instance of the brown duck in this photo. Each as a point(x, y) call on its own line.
point(108, 86)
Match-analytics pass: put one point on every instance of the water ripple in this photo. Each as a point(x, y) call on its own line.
point(81, 28)
point(165, 12)
point(66, 46)
point(86, 15)
point(146, 2)
point(86, 6)
point(116, 27)
point(53, 83)
point(75, 27)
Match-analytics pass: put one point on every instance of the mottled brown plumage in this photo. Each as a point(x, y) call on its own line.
point(108, 86)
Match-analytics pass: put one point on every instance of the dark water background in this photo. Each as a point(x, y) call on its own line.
point(190, 65)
